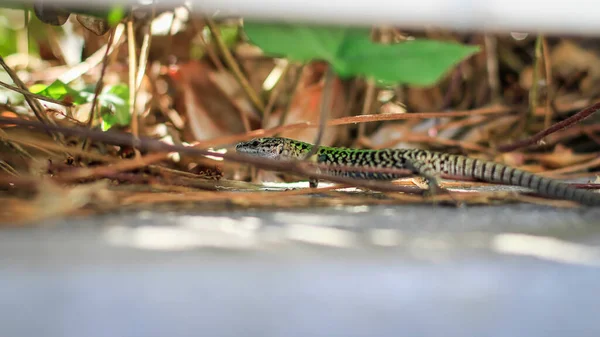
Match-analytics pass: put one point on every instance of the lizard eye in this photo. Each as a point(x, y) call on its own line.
point(255, 142)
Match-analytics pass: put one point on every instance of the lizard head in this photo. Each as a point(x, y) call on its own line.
point(273, 148)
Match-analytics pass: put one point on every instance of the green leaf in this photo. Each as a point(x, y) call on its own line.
point(115, 15)
point(8, 38)
point(114, 106)
point(298, 42)
point(351, 52)
point(417, 62)
point(59, 91)
point(229, 34)
point(113, 100)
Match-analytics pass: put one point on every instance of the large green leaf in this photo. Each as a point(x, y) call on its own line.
point(351, 52)
point(297, 42)
point(418, 62)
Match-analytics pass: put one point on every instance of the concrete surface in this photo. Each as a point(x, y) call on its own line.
point(519, 270)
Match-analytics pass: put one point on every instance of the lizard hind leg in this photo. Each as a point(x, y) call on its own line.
point(428, 171)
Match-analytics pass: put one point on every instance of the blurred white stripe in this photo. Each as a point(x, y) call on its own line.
point(573, 17)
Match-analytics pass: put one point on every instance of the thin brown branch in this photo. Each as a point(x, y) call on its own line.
point(99, 86)
point(579, 116)
point(491, 55)
point(37, 96)
point(493, 110)
point(123, 165)
point(35, 105)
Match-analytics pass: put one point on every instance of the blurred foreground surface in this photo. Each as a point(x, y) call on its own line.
point(519, 270)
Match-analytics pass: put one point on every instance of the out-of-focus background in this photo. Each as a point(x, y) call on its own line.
point(125, 212)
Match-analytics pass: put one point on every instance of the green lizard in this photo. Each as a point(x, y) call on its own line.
point(428, 164)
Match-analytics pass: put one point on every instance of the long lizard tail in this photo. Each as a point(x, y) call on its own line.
point(498, 173)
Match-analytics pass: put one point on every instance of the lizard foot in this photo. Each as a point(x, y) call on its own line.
point(435, 190)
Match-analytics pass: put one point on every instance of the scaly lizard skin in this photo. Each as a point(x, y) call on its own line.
point(428, 164)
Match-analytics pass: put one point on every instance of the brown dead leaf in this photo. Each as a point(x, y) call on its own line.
point(569, 59)
point(93, 24)
point(424, 99)
point(306, 107)
point(212, 101)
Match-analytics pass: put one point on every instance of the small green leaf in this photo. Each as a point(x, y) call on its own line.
point(114, 106)
point(37, 88)
point(115, 15)
point(59, 91)
point(351, 52)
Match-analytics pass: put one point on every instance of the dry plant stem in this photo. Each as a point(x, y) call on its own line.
point(325, 106)
point(533, 92)
point(574, 131)
point(47, 147)
point(145, 51)
point(40, 97)
point(579, 116)
point(198, 31)
point(548, 73)
point(25, 154)
point(209, 50)
point(367, 106)
point(96, 58)
point(494, 110)
point(274, 95)
point(593, 137)
point(288, 106)
point(587, 186)
point(99, 86)
point(492, 66)
point(35, 105)
point(462, 123)
point(8, 169)
point(123, 165)
point(148, 144)
point(131, 47)
point(235, 68)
